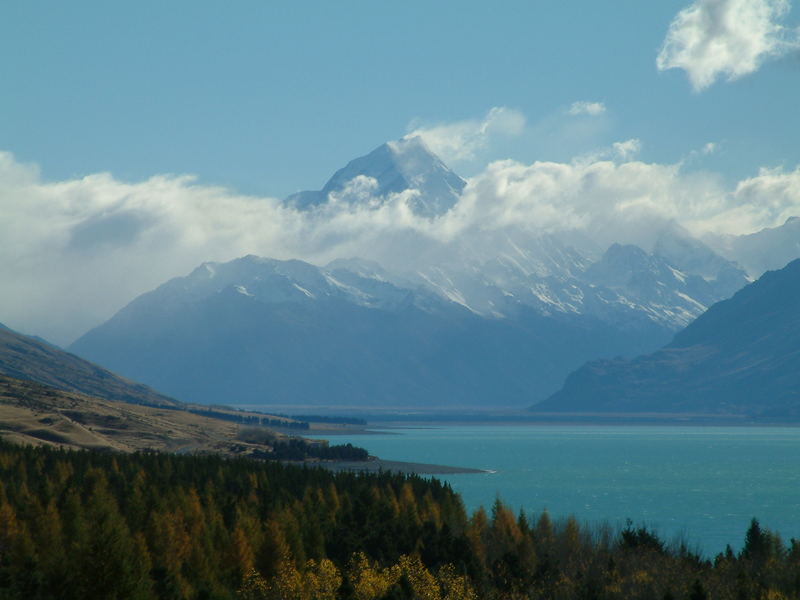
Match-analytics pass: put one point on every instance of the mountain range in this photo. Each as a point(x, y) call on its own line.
point(257, 330)
point(499, 318)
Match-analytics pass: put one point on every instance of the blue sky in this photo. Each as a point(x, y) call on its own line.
point(140, 139)
point(268, 98)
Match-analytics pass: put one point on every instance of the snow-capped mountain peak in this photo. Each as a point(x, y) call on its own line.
point(394, 167)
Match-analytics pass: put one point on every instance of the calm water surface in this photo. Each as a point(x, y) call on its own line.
point(704, 483)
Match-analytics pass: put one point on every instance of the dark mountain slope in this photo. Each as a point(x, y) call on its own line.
point(741, 357)
point(29, 359)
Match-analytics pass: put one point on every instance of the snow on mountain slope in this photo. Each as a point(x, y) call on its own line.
point(271, 281)
point(693, 256)
point(505, 271)
point(392, 168)
point(652, 285)
point(495, 272)
point(497, 276)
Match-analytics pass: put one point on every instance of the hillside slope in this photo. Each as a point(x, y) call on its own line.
point(741, 357)
point(26, 358)
point(36, 414)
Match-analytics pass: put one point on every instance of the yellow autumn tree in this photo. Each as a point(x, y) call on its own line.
point(505, 535)
point(453, 585)
point(369, 581)
point(423, 584)
point(240, 553)
point(254, 587)
point(288, 582)
point(321, 580)
point(477, 533)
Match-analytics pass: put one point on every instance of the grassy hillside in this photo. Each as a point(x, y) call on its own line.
point(35, 414)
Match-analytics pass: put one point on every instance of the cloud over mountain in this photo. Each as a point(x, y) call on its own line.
point(461, 140)
point(77, 250)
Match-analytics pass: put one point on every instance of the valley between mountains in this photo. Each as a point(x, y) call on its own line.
point(498, 323)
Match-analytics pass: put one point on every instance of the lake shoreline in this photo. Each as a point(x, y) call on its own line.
point(404, 417)
point(375, 465)
point(705, 483)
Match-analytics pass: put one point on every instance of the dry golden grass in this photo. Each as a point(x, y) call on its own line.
point(31, 413)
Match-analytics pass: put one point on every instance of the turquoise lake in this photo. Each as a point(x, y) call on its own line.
point(704, 483)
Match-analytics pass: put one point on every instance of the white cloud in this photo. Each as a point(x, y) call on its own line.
point(627, 149)
point(766, 200)
point(626, 201)
point(706, 149)
point(587, 108)
point(609, 200)
point(459, 141)
point(74, 252)
point(726, 38)
point(709, 148)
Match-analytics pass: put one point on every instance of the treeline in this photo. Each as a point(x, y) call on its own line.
point(101, 525)
point(341, 420)
point(232, 416)
point(246, 419)
point(299, 449)
point(330, 419)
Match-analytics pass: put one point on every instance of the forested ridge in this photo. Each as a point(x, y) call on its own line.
point(80, 524)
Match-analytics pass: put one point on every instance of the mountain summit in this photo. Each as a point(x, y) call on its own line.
point(391, 168)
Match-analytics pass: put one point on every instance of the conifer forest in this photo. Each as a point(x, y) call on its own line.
point(79, 524)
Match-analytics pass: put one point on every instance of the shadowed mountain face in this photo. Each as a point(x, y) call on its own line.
point(740, 357)
point(29, 359)
point(393, 167)
point(286, 332)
